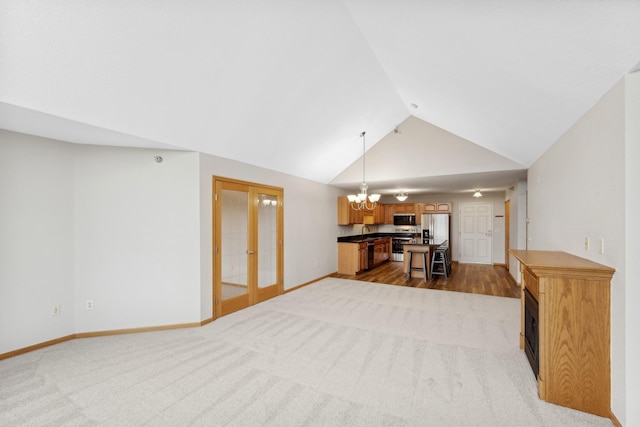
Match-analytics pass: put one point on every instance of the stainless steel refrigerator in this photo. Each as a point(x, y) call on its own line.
point(437, 226)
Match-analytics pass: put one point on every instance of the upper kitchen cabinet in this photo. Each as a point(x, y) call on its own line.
point(379, 214)
point(395, 208)
point(430, 208)
point(405, 208)
point(389, 210)
point(343, 210)
point(348, 216)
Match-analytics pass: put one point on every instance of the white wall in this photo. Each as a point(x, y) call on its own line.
point(577, 190)
point(109, 224)
point(36, 240)
point(632, 252)
point(136, 238)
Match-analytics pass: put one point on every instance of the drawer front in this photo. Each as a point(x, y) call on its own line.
point(531, 283)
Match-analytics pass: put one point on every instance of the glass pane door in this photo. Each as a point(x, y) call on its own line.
point(268, 243)
point(267, 239)
point(248, 251)
point(235, 220)
point(233, 292)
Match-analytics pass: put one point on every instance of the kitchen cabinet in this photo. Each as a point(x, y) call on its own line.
point(382, 250)
point(405, 208)
point(419, 207)
point(430, 208)
point(355, 216)
point(348, 216)
point(389, 210)
point(362, 256)
point(343, 211)
point(352, 258)
point(443, 207)
point(378, 214)
point(565, 323)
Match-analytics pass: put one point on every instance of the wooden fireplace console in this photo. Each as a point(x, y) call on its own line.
point(573, 296)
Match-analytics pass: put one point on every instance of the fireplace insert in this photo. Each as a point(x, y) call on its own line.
point(531, 333)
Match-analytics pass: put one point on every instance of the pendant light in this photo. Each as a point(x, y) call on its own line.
point(362, 200)
point(401, 196)
point(477, 194)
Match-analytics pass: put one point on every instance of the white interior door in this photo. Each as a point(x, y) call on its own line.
point(476, 233)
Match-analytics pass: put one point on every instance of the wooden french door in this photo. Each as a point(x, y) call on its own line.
point(247, 244)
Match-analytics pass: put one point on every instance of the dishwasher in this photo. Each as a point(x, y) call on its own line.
point(371, 250)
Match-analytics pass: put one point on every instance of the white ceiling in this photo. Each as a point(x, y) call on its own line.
point(289, 85)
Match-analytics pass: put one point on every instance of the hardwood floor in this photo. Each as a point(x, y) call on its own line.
point(471, 278)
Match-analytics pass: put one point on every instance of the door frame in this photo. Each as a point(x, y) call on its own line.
point(254, 293)
point(507, 231)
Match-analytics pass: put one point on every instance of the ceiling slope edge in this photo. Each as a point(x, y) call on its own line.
point(24, 120)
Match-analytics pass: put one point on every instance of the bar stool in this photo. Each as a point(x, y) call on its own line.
point(447, 254)
point(439, 263)
point(447, 257)
point(424, 269)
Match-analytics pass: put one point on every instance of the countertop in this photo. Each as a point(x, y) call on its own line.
point(361, 240)
point(370, 237)
point(550, 260)
point(432, 242)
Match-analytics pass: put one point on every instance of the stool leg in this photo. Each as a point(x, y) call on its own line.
point(433, 262)
point(424, 267)
point(409, 266)
point(444, 264)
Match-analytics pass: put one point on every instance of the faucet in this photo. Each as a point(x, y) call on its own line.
point(368, 229)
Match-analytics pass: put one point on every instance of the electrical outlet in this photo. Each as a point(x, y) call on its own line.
point(89, 304)
point(55, 309)
point(586, 243)
point(601, 246)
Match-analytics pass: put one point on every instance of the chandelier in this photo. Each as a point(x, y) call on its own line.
point(362, 201)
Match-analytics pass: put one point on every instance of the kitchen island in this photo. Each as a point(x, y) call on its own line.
point(427, 246)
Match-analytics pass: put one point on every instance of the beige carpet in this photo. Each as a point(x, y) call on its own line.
point(334, 353)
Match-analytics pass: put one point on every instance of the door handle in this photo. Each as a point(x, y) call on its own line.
point(250, 252)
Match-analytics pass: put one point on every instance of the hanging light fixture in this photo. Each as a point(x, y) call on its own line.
point(362, 201)
point(477, 194)
point(401, 196)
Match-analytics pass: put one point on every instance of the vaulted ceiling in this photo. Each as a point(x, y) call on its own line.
point(290, 85)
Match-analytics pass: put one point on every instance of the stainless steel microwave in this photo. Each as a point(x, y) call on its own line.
point(404, 219)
